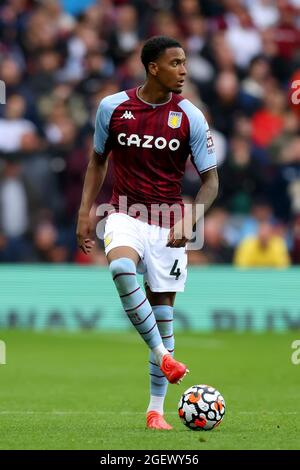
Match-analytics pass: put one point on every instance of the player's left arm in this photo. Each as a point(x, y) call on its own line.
point(207, 193)
point(204, 159)
point(182, 231)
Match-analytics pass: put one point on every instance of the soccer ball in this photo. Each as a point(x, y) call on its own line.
point(201, 407)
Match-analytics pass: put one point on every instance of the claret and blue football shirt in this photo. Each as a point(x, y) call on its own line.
point(150, 144)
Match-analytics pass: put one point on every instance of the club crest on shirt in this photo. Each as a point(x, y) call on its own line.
point(174, 120)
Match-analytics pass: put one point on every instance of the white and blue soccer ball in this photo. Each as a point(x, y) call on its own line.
point(201, 408)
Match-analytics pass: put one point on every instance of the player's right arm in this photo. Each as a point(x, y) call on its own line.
point(97, 167)
point(203, 157)
point(94, 178)
point(95, 175)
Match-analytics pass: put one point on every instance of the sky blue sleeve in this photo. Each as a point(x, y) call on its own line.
point(201, 142)
point(101, 127)
point(103, 117)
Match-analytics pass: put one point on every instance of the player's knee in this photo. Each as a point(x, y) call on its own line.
point(122, 265)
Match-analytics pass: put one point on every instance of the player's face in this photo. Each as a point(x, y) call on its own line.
point(170, 68)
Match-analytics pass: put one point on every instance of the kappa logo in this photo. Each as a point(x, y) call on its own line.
point(127, 115)
point(174, 120)
point(134, 317)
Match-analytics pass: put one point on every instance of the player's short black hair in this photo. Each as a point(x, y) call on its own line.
point(154, 47)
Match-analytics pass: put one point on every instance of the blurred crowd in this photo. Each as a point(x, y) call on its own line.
point(58, 59)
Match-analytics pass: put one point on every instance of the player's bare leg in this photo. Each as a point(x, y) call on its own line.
point(162, 305)
point(123, 252)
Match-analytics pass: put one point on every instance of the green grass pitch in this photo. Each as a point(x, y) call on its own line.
point(90, 390)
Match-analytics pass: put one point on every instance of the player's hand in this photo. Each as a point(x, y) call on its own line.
point(177, 238)
point(83, 233)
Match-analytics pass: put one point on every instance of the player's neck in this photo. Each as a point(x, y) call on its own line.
point(153, 94)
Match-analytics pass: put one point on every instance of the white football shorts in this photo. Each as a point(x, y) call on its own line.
point(164, 268)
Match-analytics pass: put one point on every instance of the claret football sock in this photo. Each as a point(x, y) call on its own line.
point(135, 303)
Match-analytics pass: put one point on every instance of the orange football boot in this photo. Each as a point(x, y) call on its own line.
point(172, 369)
point(157, 421)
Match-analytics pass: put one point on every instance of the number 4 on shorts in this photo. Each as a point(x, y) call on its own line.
point(177, 272)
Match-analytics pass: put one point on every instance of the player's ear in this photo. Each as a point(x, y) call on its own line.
point(153, 68)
